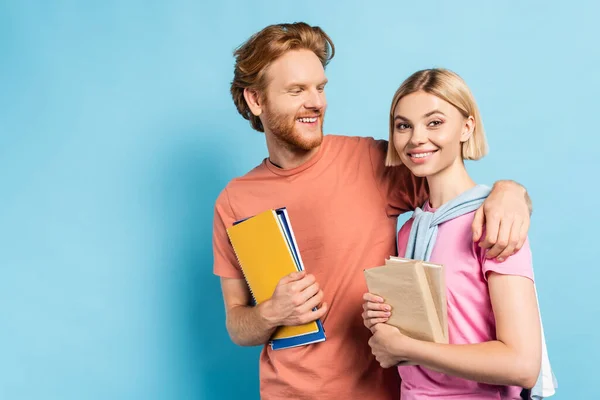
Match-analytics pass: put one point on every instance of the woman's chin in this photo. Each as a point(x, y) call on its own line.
point(420, 171)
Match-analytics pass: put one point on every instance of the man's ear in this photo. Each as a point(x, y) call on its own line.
point(468, 128)
point(254, 101)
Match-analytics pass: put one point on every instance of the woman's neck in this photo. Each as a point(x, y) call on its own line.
point(448, 184)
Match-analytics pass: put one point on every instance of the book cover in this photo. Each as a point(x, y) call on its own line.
point(416, 292)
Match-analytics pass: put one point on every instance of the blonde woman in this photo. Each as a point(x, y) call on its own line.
point(494, 327)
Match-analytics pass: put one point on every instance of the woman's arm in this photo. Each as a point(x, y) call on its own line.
point(513, 359)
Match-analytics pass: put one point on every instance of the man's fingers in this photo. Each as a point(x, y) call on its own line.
point(299, 299)
point(477, 225)
point(294, 276)
point(321, 311)
point(522, 235)
point(311, 303)
point(492, 226)
point(513, 241)
point(502, 239)
point(303, 283)
point(313, 315)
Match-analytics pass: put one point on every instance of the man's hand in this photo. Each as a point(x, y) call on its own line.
point(506, 214)
point(293, 301)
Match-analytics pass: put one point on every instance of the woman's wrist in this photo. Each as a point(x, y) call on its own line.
point(410, 349)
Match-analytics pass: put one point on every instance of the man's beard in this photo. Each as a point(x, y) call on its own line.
point(283, 128)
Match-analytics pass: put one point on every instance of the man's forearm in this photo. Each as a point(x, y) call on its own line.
point(247, 326)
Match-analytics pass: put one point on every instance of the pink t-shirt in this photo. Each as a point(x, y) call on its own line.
point(470, 316)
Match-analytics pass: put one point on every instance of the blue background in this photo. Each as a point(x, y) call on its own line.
point(117, 133)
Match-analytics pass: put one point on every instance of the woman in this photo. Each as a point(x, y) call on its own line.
point(493, 319)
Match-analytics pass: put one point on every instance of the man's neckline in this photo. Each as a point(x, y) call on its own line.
point(302, 167)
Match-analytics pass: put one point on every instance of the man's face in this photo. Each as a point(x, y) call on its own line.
point(294, 100)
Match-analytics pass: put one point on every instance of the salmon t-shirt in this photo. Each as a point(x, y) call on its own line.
point(470, 314)
point(343, 205)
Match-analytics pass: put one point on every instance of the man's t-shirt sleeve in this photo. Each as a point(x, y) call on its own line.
point(225, 262)
point(399, 187)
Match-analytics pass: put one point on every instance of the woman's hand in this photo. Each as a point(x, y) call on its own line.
point(388, 345)
point(375, 311)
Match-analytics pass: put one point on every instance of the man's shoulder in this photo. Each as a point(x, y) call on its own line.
point(365, 140)
point(250, 178)
point(354, 144)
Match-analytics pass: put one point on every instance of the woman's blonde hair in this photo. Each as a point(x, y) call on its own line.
point(452, 88)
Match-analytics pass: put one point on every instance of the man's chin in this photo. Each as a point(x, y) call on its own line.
point(305, 141)
point(308, 144)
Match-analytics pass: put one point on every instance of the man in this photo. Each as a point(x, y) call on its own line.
point(343, 205)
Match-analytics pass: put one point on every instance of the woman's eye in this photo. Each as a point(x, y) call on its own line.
point(402, 127)
point(435, 123)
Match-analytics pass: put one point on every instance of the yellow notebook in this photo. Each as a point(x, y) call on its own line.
point(265, 252)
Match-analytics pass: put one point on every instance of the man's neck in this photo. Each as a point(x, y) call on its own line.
point(284, 156)
point(448, 184)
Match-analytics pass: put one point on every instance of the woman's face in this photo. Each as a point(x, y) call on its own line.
point(429, 132)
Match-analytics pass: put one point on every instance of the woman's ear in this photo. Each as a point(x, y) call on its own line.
point(254, 101)
point(468, 128)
